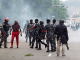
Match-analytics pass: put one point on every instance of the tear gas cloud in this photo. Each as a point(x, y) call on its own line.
point(15, 11)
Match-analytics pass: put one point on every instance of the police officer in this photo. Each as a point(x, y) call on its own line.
point(49, 28)
point(36, 33)
point(62, 37)
point(31, 32)
point(54, 35)
point(42, 35)
point(6, 28)
point(24, 30)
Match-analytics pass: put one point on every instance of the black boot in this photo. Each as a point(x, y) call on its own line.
point(45, 46)
point(47, 49)
point(39, 46)
point(36, 47)
point(54, 48)
point(32, 45)
point(39, 49)
point(5, 46)
point(0, 46)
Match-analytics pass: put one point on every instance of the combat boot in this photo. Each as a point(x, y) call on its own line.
point(39, 49)
point(36, 47)
point(39, 46)
point(47, 49)
point(45, 46)
point(5, 46)
point(0, 46)
point(31, 47)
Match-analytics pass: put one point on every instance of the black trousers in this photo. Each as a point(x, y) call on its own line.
point(35, 38)
point(5, 39)
point(51, 42)
point(41, 42)
point(54, 42)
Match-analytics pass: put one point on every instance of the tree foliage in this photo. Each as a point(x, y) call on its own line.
point(41, 8)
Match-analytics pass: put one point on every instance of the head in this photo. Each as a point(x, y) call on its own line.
point(27, 21)
point(15, 22)
point(54, 21)
point(31, 21)
point(36, 20)
point(48, 21)
point(6, 20)
point(41, 22)
point(61, 21)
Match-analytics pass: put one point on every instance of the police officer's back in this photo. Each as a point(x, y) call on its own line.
point(62, 37)
point(49, 28)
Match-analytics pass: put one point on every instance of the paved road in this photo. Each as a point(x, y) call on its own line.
point(19, 54)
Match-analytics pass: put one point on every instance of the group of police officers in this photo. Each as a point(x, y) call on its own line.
point(38, 32)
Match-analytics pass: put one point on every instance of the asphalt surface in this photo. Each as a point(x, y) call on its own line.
point(19, 53)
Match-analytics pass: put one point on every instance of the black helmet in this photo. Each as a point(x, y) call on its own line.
point(54, 20)
point(48, 20)
point(36, 19)
point(41, 22)
point(31, 20)
point(61, 21)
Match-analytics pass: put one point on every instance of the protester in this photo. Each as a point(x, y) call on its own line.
point(15, 33)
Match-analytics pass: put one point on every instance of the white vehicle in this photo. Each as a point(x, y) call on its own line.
point(67, 24)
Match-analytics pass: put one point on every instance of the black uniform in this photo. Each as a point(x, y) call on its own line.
point(61, 31)
point(42, 35)
point(6, 27)
point(54, 37)
point(49, 28)
point(31, 32)
point(36, 35)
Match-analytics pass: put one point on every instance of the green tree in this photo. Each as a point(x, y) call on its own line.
point(59, 12)
point(44, 9)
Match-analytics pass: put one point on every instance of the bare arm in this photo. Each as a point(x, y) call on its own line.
point(20, 31)
point(10, 31)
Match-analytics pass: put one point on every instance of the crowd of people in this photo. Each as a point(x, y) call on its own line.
point(37, 32)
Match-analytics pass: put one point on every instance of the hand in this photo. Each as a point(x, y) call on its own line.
point(21, 34)
point(27, 29)
point(10, 33)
